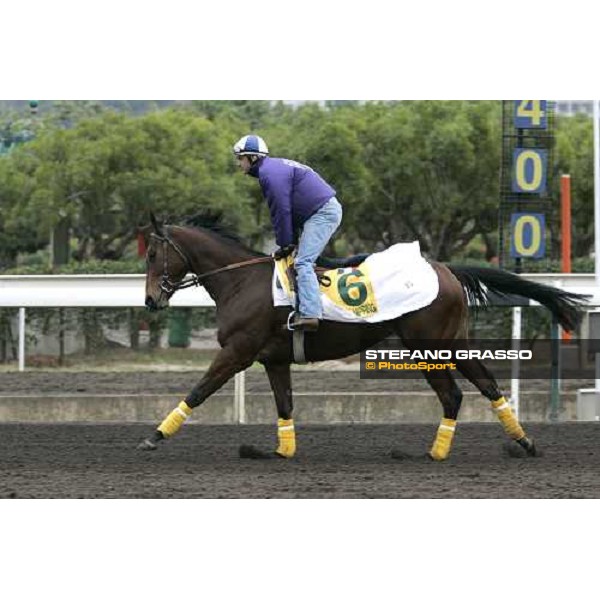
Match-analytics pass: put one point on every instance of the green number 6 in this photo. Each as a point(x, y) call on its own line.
point(345, 288)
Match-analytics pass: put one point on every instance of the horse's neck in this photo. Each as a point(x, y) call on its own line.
point(207, 253)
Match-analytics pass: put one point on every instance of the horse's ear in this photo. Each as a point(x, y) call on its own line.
point(157, 228)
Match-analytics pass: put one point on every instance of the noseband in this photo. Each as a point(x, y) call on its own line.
point(169, 288)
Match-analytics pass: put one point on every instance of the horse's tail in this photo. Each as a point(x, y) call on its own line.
point(565, 306)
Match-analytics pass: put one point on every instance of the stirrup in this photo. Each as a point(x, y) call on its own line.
point(290, 318)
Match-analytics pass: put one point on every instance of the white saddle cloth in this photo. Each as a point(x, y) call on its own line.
point(386, 285)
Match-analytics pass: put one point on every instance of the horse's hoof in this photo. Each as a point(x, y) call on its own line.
point(514, 450)
point(436, 459)
point(528, 447)
point(284, 456)
point(522, 449)
point(147, 445)
point(531, 448)
point(534, 451)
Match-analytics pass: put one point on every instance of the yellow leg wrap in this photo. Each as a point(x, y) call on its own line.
point(175, 419)
point(287, 438)
point(443, 440)
point(508, 419)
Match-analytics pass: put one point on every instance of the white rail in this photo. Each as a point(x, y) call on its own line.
point(21, 291)
point(87, 290)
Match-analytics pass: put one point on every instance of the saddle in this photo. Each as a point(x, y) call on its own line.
point(375, 288)
point(323, 265)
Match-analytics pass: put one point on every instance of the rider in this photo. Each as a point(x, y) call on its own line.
point(303, 209)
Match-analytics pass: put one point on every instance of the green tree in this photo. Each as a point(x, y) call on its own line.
point(403, 171)
point(104, 175)
point(17, 234)
point(253, 112)
point(434, 167)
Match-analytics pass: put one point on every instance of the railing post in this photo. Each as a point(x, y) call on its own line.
point(21, 339)
point(555, 375)
point(239, 407)
point(515, 366)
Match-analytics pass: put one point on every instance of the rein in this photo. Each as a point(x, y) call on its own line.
point(170, 288)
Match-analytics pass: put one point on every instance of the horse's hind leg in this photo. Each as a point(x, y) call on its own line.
point(450, 396)
point(476, 372)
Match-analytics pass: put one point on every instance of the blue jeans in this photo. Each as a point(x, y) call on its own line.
point(316, 232)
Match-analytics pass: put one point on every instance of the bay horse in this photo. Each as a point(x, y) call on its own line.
point(251, 329)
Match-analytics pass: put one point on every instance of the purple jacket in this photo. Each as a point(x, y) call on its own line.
point(294, 192)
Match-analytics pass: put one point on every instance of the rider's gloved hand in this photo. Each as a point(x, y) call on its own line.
point(283, 252)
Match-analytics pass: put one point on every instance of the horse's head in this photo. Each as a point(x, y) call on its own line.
point(166, 266)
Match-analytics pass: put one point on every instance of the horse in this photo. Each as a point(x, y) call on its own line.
point(251, 329)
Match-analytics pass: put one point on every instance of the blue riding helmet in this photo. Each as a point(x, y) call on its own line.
point(251, 144)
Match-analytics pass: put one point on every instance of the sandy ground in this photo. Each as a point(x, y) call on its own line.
point(342, 461)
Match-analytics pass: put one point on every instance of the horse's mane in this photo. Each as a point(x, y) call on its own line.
point(213, 221)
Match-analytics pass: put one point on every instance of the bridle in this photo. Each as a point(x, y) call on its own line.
point(169, 288)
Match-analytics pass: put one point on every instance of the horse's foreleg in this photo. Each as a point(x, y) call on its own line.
point(450, 396)
point(230, 360)
point(281, 384)
point(484, 381)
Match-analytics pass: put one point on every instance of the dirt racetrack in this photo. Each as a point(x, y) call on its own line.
point(341, 461)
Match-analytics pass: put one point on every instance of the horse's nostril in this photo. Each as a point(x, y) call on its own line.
point(150, 304)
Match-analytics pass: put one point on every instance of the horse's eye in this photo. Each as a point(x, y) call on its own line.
point(151, 255)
